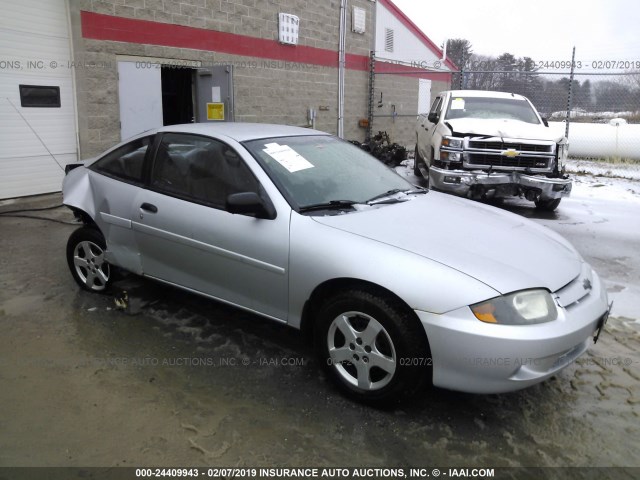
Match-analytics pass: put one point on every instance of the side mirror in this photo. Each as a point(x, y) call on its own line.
point(433, 117)
point(250, 203)
point(545, 121)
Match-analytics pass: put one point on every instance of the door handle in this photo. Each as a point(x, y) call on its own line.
point(149, 208)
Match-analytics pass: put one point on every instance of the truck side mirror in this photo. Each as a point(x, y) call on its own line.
point(433, 117)
point(545, 121)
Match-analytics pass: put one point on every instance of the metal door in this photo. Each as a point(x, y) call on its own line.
point(214, 94)
point(140, 94)
point(424, 95)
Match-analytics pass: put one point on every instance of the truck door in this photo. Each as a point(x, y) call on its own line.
point(427, 127)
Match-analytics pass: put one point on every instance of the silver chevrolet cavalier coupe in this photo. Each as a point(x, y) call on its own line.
point(397, 285)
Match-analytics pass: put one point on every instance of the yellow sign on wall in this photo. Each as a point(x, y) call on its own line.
point(215, 111)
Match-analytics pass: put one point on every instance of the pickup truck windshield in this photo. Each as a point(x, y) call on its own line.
point(491, 108)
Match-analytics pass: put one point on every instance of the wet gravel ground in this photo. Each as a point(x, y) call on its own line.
point(169, 378)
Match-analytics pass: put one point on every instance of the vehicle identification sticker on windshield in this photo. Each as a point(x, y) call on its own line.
point(287, 157)
point(457, 104)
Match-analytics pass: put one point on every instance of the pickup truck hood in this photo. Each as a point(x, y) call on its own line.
point(503, 128)
point(498, 248)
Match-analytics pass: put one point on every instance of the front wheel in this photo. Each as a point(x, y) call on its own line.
point(548, 205)
point(85, 257)
point(372, 346)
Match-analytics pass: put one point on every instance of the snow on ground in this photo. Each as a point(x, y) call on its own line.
point(607, 169)
point(606, 187)
point(613, 222)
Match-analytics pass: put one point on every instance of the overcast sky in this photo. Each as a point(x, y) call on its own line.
point(540, 29)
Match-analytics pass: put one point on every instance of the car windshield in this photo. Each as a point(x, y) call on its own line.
point(491, 108)
point(319, 169)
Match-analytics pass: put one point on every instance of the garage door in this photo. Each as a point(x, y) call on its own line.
point(37, 105)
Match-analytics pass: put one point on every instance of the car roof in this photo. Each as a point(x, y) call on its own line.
point(239, 131)
point(484, 93)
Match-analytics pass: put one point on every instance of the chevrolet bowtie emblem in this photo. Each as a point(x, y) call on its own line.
point(510, 153)
point(586, 284)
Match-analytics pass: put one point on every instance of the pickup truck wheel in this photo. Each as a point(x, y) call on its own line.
point(548, 205)
point(416, 159)
point(371, 346)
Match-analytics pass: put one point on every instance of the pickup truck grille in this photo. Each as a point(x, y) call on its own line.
point(498, 145)
point(509, 154)
point(521, 161)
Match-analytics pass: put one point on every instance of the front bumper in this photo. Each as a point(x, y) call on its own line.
point(498, 184)
point(476, 357)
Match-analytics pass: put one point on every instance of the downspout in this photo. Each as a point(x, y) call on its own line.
point(341, 66)
point(74, 86)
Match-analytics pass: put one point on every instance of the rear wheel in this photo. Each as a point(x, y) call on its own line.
point(372, 346)
point(416, 159)
point(548, 205)
point(85, 257)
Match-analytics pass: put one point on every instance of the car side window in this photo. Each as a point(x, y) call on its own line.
point(201, 169)
point(125, 163)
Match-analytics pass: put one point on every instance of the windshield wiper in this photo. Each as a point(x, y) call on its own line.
point(330, 205)
point(388, 193)
point(416, 190)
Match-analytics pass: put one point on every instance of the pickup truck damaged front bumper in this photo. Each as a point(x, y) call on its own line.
point(498, 184)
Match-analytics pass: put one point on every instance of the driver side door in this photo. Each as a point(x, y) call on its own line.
point(188, 238)
point(427, 128)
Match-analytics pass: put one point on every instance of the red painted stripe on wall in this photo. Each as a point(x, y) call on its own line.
point(97, 26)
point(106, 27)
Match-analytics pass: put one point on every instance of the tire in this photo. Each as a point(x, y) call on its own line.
point(548, 205)
point(416, 159)
point(85, 257)
point(372, 347)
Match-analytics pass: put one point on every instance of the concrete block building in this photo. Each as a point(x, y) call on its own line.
point(78, 76)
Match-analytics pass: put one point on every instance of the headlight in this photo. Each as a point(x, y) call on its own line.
point(452, 142)
point(526, 307)
point(451, 156)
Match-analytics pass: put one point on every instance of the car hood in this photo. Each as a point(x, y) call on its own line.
point(498, 248)
point(503, 128)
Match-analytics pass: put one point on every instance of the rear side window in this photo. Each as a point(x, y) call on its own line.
point(125, 163)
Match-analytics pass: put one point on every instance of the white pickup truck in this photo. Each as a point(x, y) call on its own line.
point(481, 144)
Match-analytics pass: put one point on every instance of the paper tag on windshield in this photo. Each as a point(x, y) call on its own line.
point(287, 157)
point(457, 104)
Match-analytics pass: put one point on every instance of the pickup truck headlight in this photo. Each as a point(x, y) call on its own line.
point(452, 142)
point(448, 149)
point(526, 307)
